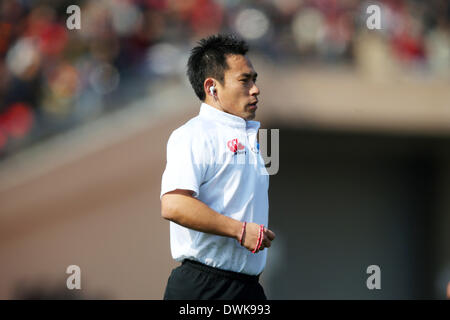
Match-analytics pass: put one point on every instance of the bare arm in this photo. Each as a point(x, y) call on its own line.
point(182, 208)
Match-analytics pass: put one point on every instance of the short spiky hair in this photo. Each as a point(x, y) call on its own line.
point(208, 59)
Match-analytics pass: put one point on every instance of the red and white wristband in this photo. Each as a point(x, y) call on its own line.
point(260, 238)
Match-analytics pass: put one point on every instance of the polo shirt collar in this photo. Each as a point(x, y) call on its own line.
point(231, 120)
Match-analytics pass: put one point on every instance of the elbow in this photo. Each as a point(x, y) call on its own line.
point(172, 204)
point(167, 209)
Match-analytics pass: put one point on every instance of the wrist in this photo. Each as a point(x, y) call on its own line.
point(238, 230)
point(242, 235)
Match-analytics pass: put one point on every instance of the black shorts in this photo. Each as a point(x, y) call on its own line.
point(196, 281)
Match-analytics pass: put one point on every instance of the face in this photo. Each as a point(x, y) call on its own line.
point(239, 94)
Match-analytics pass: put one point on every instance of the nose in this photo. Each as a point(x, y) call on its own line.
point(254, 91)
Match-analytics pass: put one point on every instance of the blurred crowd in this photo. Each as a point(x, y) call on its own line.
point(53, 78)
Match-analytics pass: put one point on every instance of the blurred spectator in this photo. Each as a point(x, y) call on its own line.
point(53, 78)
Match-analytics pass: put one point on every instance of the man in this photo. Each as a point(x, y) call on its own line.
point(214, 187)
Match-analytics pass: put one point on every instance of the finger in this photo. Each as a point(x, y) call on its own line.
point(270, 235)
point(261, 246)
point(265, 242)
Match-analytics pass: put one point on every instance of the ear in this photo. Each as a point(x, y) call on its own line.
point(208, 83)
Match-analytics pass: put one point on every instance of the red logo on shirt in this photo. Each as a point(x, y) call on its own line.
point(234, 145)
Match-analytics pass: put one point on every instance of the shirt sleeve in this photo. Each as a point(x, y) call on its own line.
point(187, 163)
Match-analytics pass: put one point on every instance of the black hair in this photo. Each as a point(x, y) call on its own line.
point(208, 59)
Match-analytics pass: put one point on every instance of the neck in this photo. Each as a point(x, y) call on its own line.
point(215, 104)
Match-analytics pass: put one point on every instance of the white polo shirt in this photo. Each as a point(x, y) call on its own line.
point(216, 155)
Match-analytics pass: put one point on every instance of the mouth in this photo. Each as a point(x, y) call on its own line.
point(253, 106)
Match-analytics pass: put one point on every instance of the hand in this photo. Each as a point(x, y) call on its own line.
point(268, 237)
point(251, 237)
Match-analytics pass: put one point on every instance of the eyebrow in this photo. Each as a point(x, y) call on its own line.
point(249, 75)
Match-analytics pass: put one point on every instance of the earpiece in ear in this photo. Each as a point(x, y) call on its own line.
point(212, 89)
